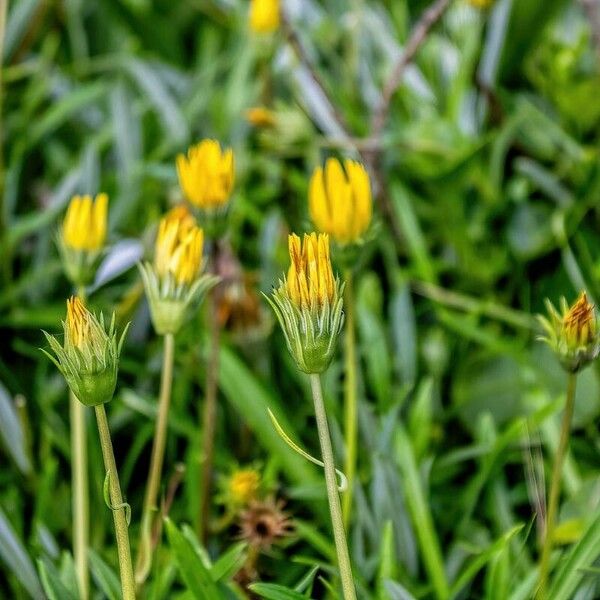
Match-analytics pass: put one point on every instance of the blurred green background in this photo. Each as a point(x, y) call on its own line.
point(490, 167)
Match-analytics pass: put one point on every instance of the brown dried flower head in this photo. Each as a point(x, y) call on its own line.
point(264, 523)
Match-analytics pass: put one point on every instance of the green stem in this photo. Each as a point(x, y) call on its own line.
point(209, 417)
point(335, 509)
point(144, 558)
point(80, 487)
point(80, 494)
point(118, 507)
point(555, 487)
point(350, 397)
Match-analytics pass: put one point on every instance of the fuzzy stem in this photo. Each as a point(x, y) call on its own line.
point(118, 508)
point(209, 414)
point(144, 558)
point(555, 487)
point(335, 509)
point(350, 397)
point(80, 486)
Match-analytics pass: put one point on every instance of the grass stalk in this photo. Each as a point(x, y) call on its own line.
point(559, 460)
point(350, 397)
point(144, 557)
point(117, 506)
point(339, 534)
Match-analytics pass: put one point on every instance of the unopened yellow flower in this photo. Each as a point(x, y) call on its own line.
point(340, 200)
point(308, 303)
point(264, 15)
point(259, 116)
point(572, 333)
point(178, 249)
point(89, 355)
point(310, 282)
point(84, 227)
point(206, 174)
point(243, 485)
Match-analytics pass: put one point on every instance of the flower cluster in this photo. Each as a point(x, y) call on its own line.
point(175, 283)
point(82, 237)
point(308, 303)
point(572, 333)
point(89, 356)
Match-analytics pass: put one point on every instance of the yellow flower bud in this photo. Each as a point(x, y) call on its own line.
point(259, 116)
point(243, 485)
point(572, 333)
point(340, 200)
point(178, 249)
point(84, 227)
point(206, 175)
point(310, 282)
point(264, 15)
point(89, 355)
point(309, 303)
point(481, 4)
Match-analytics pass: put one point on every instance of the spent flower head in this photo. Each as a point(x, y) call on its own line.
point(572, 333)
point(175, 282)
point(265, 523)
point(308, 303)
point(89, 356)
point(264, 15)
point(340, 202)
point(206, 176)
point(82, 237)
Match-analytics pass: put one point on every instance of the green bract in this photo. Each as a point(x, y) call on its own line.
point(170, 302)
point(79, 265)
point(311, 334)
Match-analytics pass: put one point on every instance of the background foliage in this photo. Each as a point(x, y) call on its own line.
point(491, 168)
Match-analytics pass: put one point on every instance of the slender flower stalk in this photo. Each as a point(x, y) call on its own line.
point(80, 488)
point(89, 360)
point(81, 243)
point(308, 304)
point(80, 494)
point(340, 204)
point(209, 415)
point(574, 337)
point(118, 507)
point(350, 396)
point(144, 557)
point(175, 284)
point(339, 533)
point(557, 468)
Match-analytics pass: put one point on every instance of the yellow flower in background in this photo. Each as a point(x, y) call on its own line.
point(259, 116)
point(482, 4)
point(178, 248)
point(310, 282)
point(206, 174)
point(264, 15)
point(243, 485)
point(84, 227)
point(339, 199)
